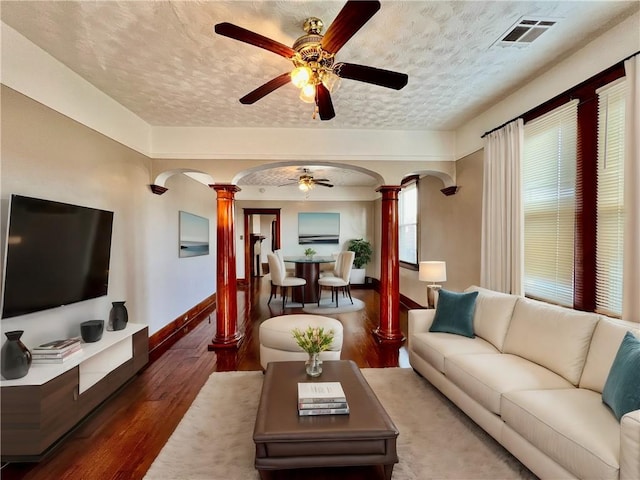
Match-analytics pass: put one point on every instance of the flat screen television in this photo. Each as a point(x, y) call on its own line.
point(56, 254)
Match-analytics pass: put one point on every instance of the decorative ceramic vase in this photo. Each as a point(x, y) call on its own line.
point(16, 358)
point(118, 316)
point(314, 365)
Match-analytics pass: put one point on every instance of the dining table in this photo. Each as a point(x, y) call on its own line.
point(307, 267)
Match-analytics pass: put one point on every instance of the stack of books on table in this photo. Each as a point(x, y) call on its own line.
point(321, 398)
point(57, 351)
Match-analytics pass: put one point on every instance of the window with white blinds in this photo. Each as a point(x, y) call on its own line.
point(408, 224)
point(610, 203)
point(549, 181)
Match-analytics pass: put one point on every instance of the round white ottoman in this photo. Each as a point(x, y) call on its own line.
point(278, 345)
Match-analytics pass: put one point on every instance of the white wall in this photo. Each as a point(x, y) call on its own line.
point(177, 284)
point(47, 155)
point(356, 221)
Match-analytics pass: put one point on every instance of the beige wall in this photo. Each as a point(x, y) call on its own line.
point(47, 155)
point(450, 229)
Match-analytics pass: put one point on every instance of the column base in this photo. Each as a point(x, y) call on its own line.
point(388, 337)
point(225, 342)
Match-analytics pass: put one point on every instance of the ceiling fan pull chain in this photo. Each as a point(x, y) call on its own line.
point(315, 112)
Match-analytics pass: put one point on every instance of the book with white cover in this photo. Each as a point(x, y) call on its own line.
point(321, 392)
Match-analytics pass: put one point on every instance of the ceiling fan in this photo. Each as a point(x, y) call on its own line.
point(315, 72)
point(306, 181)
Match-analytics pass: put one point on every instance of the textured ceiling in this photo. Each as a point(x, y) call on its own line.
point(281, 176)
point(162, 61)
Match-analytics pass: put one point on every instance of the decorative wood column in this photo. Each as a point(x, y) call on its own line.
point(389, 328)
point(227, 334)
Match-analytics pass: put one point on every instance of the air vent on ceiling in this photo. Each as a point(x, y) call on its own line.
point(525, 31)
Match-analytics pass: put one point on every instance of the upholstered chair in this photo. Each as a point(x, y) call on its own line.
point(290, 272)
point(339, 282)
point(280, 279)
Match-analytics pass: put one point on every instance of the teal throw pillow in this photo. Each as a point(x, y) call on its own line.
point(622, 389)
point(454, 313)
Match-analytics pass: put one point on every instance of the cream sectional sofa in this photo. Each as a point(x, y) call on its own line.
point(533, 378)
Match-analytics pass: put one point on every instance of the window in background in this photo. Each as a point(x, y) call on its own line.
point(610, 198)
point(549, 183)
point(408, 223)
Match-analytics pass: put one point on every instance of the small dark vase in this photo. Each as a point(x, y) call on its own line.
point(118, 316)
point(16, 358)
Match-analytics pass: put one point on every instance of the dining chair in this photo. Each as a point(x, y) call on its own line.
point(341, 281)
point(290, 272)
point(280, 279)
point(334, 269)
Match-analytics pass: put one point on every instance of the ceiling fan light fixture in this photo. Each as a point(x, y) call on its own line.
point(331, 81)
point(300, 76)
point(305, 186)
point(308, 93)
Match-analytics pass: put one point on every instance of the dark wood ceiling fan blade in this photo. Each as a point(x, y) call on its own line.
point(247, 36)
point(324, 184)
point(351, 18)
point(265, 89)
point(324, 103)
point(376, 76)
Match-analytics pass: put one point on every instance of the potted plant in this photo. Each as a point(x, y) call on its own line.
point(363, 253)
point(309, 252)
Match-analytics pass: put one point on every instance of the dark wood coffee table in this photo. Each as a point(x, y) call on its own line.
point(284, 440)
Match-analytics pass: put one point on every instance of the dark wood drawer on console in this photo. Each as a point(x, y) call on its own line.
point(140, 349)
point(35, 416)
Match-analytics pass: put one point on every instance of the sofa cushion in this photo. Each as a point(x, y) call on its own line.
point(435, 347)
point(454, 313)
point(493, 314)
point(604, 346)
point(622, 389)
point(555, 337)
point(571, 426)
point(486, 377)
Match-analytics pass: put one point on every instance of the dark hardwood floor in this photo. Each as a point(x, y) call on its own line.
point(122, 437)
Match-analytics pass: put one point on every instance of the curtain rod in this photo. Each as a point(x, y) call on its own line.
point(529, 111)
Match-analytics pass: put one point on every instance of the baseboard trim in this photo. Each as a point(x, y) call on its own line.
point(168, 335)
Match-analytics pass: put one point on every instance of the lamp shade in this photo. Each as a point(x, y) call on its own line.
point(432, 272)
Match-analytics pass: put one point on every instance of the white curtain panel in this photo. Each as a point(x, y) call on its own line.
point(502, 258)
point(631, 279)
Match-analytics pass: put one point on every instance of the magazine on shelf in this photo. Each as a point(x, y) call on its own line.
point(58, 346)
point(45, 359)
point(323, 411)
point(54, 354)
point(321, 392)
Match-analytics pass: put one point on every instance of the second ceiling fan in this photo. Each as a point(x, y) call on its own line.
point(315, 71)
point(307, 182)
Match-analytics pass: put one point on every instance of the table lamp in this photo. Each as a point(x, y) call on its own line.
point(434, 271)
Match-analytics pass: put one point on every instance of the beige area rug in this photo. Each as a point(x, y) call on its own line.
point(437, 441)
point(327, 307)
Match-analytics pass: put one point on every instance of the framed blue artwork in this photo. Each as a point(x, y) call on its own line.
point(318, 227)
point(194, 235)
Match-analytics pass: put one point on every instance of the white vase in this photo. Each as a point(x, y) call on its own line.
point(357, 276)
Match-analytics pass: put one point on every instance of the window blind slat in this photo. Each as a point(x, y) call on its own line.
point(610, 204)
point(549, 180)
